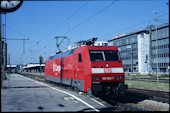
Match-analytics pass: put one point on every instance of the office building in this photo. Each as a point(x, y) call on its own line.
point(138, 49)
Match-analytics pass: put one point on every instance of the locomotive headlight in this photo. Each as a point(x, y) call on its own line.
point(95, 78)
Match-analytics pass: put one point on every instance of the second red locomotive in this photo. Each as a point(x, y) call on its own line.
point(91, 69)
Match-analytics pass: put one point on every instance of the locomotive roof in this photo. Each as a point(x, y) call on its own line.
point(67, 53)
point(62, 54)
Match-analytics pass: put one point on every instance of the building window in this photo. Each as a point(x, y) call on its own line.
point(134, 39)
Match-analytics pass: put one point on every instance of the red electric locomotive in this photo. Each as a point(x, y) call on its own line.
point(91, 69)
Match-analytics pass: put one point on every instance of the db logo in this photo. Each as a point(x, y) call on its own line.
point(108, 70)
point(56, 68)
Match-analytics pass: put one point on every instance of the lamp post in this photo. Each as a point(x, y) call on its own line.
point(130, 47)
point(131, 60)
point(156, 45)
point(6, 6)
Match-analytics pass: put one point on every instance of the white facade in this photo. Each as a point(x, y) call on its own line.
point(143, 52)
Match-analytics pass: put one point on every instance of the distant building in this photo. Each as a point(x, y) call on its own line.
point(11, 68)
point(139, 48)
point(33, 67)
point(163, 48)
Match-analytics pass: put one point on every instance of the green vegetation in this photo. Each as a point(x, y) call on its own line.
point(147, 85)
point(151, 76)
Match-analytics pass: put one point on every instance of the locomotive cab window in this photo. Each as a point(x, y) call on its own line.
point(80, 59)
point(96, 56)
point(104, 55)
point(112, 55)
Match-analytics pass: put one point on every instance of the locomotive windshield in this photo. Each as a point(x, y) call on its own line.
point(104, 55)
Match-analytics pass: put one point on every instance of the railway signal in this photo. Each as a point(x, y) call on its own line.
point(40, 61)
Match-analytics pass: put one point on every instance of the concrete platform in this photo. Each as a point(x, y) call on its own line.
point(22, 94)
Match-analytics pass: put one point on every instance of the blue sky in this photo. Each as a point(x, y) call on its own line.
point(41, 21)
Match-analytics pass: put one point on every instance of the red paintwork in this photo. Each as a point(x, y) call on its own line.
point(71, 66)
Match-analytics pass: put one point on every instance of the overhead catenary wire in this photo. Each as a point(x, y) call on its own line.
point(16, 31)
point(60, 25)
point(100, 11)
point(74, 13)
point(108, 33)
point(111, 33)
point(101, 37)
point(79, 23)
point(128, 27)
point(87, 19)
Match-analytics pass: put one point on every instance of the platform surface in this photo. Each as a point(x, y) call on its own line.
point(22, 94)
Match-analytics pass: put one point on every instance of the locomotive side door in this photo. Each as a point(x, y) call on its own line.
point(78, 67)
point(74, 77)
point(75, 67)
point(78, 73)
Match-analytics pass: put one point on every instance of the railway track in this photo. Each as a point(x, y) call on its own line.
point(160, 96)
point(128, 101)
point(125, 107)
point(136, 102)
point(120, 103)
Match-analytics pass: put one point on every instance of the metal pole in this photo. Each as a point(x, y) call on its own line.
point(23, 46)
point(19, 39)
point(150, 50)
point(1, 51)
point(40, 60)
point(131, 60)
point(40, 68)
point(4, 50)
point(9, 69)
point(156, 45)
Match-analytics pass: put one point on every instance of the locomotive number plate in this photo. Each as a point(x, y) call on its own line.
point(107, 78)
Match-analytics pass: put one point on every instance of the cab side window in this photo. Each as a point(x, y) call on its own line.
point(80, 59)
